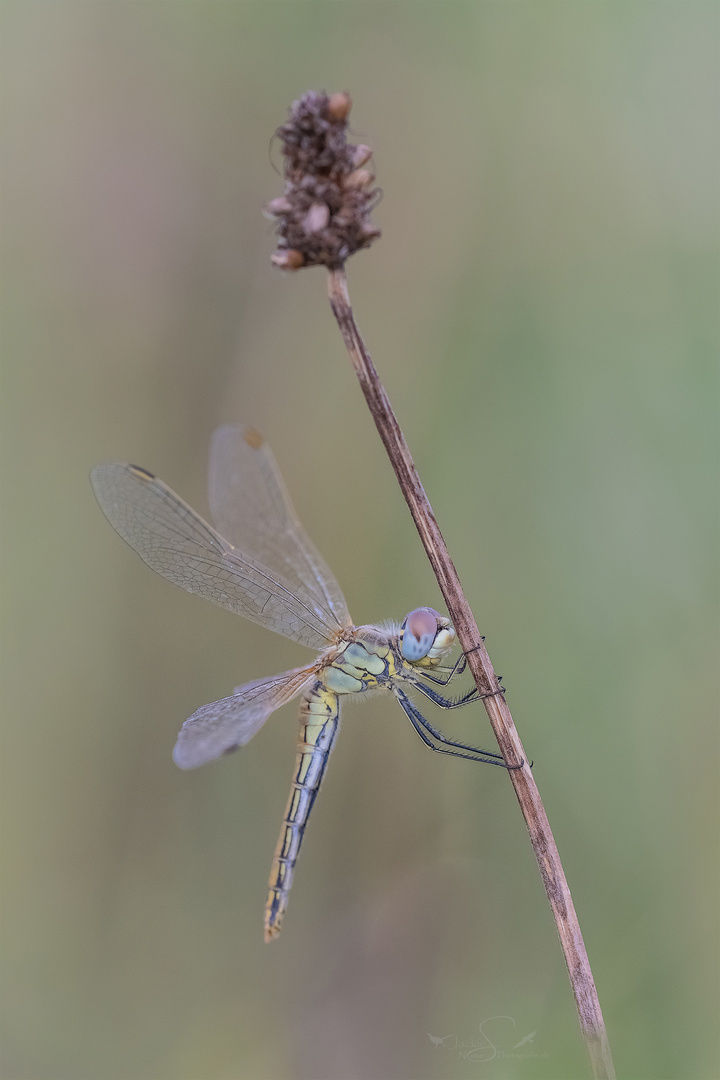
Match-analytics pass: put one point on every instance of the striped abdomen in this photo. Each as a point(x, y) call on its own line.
point(319, 716)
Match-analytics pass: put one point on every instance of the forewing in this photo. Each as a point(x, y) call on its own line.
point(175, 541)
point(250, 505)
point(224, 725)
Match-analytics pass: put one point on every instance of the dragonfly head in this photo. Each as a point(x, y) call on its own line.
point(426, 635)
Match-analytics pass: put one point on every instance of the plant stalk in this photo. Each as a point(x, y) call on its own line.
point(541, 837)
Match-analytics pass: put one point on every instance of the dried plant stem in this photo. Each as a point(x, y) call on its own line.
point(546, 853)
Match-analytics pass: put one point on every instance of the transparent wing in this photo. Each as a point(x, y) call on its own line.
point(251, 507)
point(176, 542)
point(222, 726)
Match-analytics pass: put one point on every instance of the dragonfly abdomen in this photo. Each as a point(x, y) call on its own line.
point(319, 717)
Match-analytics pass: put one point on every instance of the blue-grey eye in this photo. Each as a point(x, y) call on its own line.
point(418, 633)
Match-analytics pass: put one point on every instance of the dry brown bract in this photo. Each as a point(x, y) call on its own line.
point(324, 215)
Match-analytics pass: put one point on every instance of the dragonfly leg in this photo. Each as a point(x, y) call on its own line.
point(457, 669)
point(455, 703)
point(425, 729)
point(474, 648)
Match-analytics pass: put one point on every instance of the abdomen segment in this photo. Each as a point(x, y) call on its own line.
point(319, 718)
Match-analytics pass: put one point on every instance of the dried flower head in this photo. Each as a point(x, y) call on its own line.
point(324, 215)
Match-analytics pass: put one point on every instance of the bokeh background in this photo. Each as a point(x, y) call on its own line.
point(543, 310)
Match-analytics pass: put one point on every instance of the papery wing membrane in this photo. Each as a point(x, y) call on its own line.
point(224, 725)
point(175, 541)
point(250, 506)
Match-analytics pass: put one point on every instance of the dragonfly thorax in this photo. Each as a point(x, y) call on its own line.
point(366, 662)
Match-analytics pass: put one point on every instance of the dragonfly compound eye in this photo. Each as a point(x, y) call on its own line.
point(418, 633)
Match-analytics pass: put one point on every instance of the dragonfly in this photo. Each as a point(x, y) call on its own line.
point(259, 562)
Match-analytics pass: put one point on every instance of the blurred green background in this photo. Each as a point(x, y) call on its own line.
point(543, 309)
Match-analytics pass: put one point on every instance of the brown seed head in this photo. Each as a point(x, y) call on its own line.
point(324, 215)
